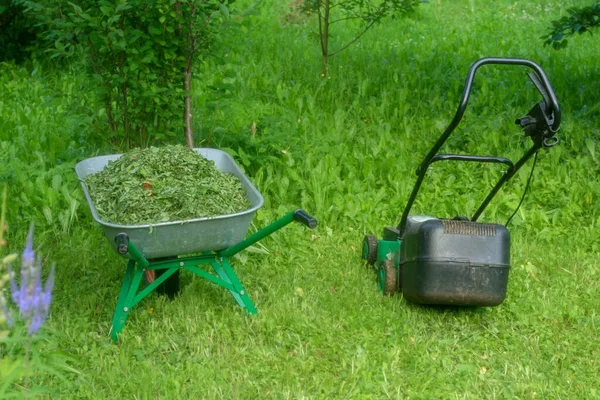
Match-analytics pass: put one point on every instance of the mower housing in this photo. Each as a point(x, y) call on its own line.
point(454, 262)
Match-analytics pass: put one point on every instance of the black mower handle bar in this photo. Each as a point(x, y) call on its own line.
point(539, 79)
point(462, 157)
point(541, 83)
point(552, 115)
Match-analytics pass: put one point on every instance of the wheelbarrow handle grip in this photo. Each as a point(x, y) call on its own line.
point(302, 217)
point(122, 241)
point(298, 215)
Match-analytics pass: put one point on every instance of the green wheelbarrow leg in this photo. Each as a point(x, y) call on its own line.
point(131, 283)
point(226, 272)
point(223, 268)
point(118, 314)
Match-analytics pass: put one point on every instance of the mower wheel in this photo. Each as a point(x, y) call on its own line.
point(369, 249)
point(386, 277)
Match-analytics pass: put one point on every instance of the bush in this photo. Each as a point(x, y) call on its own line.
point(579, 20)
point(17, 32)
point(140, 56)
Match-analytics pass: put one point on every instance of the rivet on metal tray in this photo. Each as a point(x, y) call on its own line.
point(181, 264)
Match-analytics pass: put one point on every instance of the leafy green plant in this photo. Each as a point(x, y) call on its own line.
point(578, 21)
point(9, 368)
point(17, 31)
point(368, 12)
point(39, 146)
point(20, 355)
point(140, 55)
point(4, 276)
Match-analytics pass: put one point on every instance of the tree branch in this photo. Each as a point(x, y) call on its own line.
point(344, 19)
point(377, 16)
point(355, 39)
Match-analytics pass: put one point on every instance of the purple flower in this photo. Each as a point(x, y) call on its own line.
point(28, 254)
point(31, 297)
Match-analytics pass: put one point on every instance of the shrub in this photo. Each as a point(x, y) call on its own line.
point(140, 55)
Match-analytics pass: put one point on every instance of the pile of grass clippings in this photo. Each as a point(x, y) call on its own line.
point(163, 184)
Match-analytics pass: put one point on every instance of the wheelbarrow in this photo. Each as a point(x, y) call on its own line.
point(170, 247)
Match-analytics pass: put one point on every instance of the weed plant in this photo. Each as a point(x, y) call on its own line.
point(345, 149)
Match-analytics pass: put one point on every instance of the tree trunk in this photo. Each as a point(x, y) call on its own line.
point(324, 33)
point(125, 114)
point(109, 116)
point(187, 113)
point(187, 75)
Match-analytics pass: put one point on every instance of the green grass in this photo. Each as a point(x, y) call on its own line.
point(345, 149)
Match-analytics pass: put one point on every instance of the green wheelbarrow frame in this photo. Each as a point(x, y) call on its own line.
point(219, 261)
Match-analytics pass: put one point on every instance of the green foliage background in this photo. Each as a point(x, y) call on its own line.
point(345, 149)
point(134, 53)
point(578, 20)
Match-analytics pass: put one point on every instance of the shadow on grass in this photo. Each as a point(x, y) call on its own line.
point(446, 309)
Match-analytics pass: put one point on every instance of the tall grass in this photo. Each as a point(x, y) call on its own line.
point(346, 150)
point(44, 121)
point(388, 98)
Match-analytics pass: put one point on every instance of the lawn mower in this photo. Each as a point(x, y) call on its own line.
point(460, 261)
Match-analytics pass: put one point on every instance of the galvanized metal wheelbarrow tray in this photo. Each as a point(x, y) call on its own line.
point(161, 246)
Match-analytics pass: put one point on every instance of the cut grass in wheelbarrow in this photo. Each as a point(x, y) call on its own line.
point(162, 246)
point(162, 184)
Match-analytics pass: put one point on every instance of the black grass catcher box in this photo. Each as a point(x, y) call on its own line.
point(454, 262)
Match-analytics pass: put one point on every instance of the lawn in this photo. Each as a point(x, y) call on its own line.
point(345, 149)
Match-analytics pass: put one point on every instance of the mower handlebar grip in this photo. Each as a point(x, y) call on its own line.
point(539, 79)
point(305, 219)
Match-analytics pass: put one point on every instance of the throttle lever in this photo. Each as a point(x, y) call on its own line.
point(538, 125)
point(539, 120)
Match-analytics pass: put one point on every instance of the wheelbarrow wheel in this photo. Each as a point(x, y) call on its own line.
point(387, 277)
point(369, 249)
point(170, 286)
